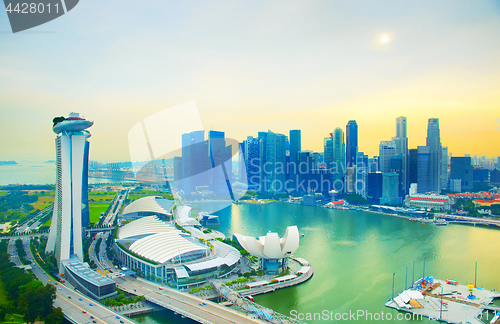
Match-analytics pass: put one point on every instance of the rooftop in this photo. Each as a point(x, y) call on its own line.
point(271, 246)
point(152, 204)
point(83, 271)
point(158, 241)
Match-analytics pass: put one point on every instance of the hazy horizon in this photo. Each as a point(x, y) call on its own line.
point(254, 66)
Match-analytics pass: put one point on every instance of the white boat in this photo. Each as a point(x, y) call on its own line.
point(440, 222)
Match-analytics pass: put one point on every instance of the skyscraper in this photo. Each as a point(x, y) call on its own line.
point(413, 166)
point(423, 173)
point(435, 151)
point(252, 160)
point(444, 168)
point(401, 141)
point(387, 149)
point(295, 145)
point(70, 214)
point(295, 148)
point(220, 155)
point(351, 143)
point(195, 161)
point(461, 168)
point(328, 151)
point(273, 162)
point(362, 170)
point(339, 168)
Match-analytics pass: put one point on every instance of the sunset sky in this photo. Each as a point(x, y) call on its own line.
point(256, 65)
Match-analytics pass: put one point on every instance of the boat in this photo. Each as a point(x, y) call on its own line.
point(440, 222)
point(303, 235)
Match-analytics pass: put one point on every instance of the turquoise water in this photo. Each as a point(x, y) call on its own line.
point(355, 253)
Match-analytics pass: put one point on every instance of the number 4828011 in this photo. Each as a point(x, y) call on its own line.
point(32, 8)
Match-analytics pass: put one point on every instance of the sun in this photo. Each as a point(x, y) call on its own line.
point(385, 39)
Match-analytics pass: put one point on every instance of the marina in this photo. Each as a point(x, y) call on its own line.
point(447, 301)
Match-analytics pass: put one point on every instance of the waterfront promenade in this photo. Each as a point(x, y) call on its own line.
point(450, 218)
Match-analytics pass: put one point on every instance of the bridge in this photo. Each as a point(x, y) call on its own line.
point(265, 314)
point(469, 220)
point(195, 308)
point(99, 229)
point(31, 234)
point(8, 237)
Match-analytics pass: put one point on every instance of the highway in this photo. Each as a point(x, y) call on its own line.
point(35, 219)
point(75, 306)
point(115, 208)
point(174, 300)
point(185, 304)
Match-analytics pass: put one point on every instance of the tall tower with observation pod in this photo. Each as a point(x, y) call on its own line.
point(71, 212)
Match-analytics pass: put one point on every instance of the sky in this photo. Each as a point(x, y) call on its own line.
point(256, 65)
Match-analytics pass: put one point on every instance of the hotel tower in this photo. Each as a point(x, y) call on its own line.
point(71, 213)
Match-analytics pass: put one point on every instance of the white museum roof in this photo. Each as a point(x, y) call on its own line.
point(271, 246)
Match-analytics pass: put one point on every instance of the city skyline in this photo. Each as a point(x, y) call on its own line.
point(310, 66)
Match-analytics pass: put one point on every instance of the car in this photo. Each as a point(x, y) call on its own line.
point(91, 317)
point(94, 321)
point(80, 299)
point(118, 317)
point(90, 304)
point(203, 304)
point(122, 321)
point(160, 288)
point(85, 312)
point(59, 288)
point(69, 297)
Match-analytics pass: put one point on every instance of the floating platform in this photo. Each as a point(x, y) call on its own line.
point(445, 302)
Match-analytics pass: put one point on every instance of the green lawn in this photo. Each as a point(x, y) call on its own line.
point(47, 223)
point(40, 206)
point(4, 193)
point(17, 319)
point(45, 199)
point(106, 198)
point(95, 210)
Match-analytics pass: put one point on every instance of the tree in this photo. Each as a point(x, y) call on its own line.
point(36, 300)
point(55, 317)
point(2, 314)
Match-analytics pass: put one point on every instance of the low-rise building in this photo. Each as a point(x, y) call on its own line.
point(433, 201)
point(88, 281)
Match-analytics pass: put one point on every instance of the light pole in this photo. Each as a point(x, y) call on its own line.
point(423, 274)
point(406, 278)
point(413, 276)
point(441, 314)
point(475, 276)
point(393, 285)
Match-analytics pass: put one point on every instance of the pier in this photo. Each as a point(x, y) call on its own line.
point(446, 302)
